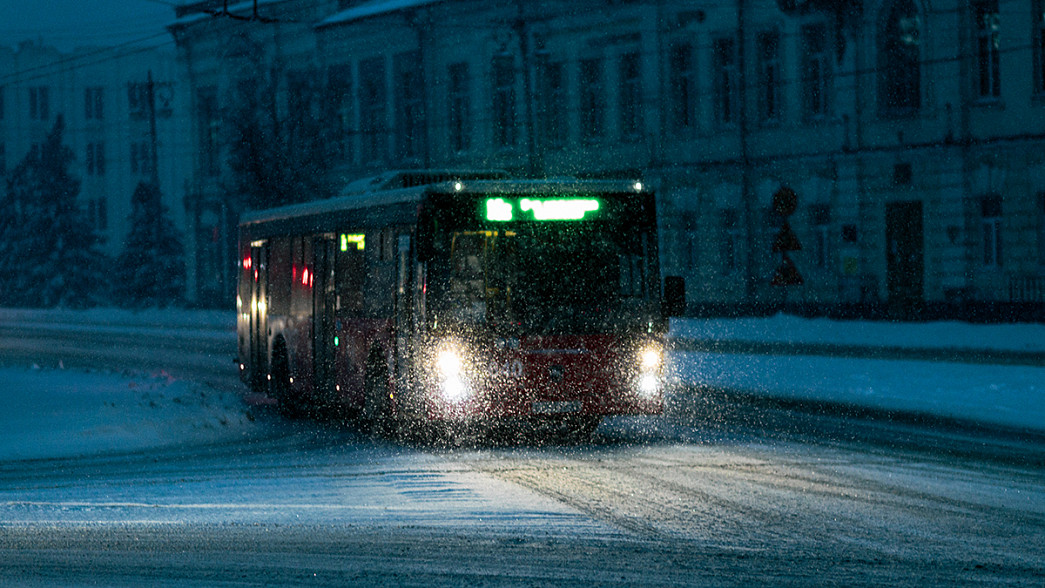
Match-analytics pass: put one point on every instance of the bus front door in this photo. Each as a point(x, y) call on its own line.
point(324, 344)
point(404, 317)
point(259, 352)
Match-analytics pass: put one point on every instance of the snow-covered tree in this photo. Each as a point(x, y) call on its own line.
point(49, 255)
point(150, 270)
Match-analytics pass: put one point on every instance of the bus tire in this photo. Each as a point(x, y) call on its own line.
point(376, 400)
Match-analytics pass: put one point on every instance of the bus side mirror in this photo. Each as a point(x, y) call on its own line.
point(674, 303)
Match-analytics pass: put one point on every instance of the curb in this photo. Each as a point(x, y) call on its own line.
point(943, 354)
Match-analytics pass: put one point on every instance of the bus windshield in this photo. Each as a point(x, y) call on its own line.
point(544, 278)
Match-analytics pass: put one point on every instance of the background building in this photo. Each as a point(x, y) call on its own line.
point(912, 131)
point(118, 135)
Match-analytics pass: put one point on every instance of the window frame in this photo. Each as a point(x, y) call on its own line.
point(725, 88)
point(504, 107)
point(816, 71)
point(459, 108)
point(592, 97)
point(94, 103)
point(630, 102)
point(554, 123)
point(986, 21)
point(991, 221)
point(682, 80)
point(770, 68)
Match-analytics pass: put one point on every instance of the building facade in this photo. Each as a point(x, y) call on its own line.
point(119, 137)
point(911, 131)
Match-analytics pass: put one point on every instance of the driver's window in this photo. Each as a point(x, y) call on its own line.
point(467, 276)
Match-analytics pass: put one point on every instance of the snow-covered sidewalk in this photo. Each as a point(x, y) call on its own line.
point(996, 394)
point(73, 412)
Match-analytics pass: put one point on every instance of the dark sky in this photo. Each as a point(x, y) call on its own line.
point(67, 24)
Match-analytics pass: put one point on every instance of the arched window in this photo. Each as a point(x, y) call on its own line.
point(899, 59)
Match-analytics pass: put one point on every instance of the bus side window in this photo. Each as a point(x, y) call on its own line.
point(279, 277)
point(467, 285)
point(351, 276)
point(379, 284)
point(632, 276)
point(301, 279)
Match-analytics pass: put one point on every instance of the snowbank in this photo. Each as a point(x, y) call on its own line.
point(66, 413)
point(932, 335)
point(1010, 396)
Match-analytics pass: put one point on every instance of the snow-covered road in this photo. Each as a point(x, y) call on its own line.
point(135, 476)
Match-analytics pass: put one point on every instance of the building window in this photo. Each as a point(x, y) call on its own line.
point(141, 158)
point(899, 61)
point(1037, 21)
point(95, 159)
point(164, 99)
point(729, 254)
point(593, 100)
point(990, 221)
point(208, 120)
point(460, 113)
point(39, 103)
point(1041, 226)
point(97, 216)
point(138, 100)
point(339, 110)
point(683, 91)
point(554, 128)
point(373, 113)
point(299, 96)
point(820, 223)
point(409, 96)
point(769, 107)
point(725, 70)
point(504, 128)
point(816, 72)
point(302, 110)
point(630, 103)
point(988, 55)
point(92, 102)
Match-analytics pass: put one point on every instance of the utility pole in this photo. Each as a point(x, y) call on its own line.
point(153, 140)
point(747, 196)
point(526, 58)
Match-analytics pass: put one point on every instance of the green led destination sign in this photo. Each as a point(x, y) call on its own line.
point(540, 209)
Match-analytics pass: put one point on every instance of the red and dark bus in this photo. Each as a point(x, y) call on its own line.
point(420, 299)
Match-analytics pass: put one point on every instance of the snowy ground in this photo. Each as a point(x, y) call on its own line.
point(996, 394)
point(69, 412)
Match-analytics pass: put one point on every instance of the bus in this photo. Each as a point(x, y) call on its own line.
point(418, 299)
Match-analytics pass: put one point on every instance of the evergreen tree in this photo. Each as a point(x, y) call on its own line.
point(49, 255)
point(151, 269)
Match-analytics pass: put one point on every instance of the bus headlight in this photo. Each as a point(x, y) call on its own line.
point(650, 360)
point(452, 384)
point(449, 363)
